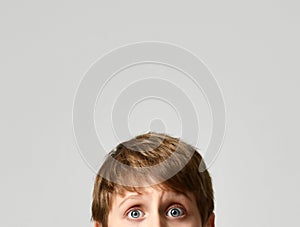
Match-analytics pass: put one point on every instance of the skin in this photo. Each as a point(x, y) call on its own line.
point(155, 208)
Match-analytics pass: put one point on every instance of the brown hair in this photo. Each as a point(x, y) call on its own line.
point(148, 150)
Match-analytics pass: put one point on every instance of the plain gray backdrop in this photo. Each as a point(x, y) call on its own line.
point(252, 49)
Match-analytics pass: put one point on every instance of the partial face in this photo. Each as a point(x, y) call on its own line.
point(155, 208)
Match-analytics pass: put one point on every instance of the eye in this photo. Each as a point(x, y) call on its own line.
point(135, 214)
point(176, 212)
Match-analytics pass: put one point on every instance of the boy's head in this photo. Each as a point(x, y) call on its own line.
point(175, 195)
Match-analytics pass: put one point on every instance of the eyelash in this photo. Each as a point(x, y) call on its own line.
point(132, 209)
point(180, 207)
point(139, 209)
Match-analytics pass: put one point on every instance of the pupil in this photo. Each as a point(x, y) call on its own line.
point(175, 212)
point(135, 214)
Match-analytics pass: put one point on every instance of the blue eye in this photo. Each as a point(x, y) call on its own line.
point(175, 212)
point(135, 214)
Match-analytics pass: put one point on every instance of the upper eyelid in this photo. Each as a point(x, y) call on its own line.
point(139, 207)
point(134, 208)
point(176, 205)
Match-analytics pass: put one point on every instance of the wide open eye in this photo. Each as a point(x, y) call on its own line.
point(134, 214)
point(175, 212)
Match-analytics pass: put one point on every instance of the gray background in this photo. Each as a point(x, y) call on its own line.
point(252, 48)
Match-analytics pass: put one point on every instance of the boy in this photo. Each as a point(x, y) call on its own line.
point(129, 191)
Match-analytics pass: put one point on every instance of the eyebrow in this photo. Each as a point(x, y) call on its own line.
point(128, 198)
point(184, 195)
point(174, 194)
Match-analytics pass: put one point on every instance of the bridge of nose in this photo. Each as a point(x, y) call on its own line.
point(157, 219)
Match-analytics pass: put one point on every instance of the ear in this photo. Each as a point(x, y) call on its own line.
point(210, 221)
point(97, 224)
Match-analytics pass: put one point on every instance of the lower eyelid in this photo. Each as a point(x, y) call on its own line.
point(135, 219)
